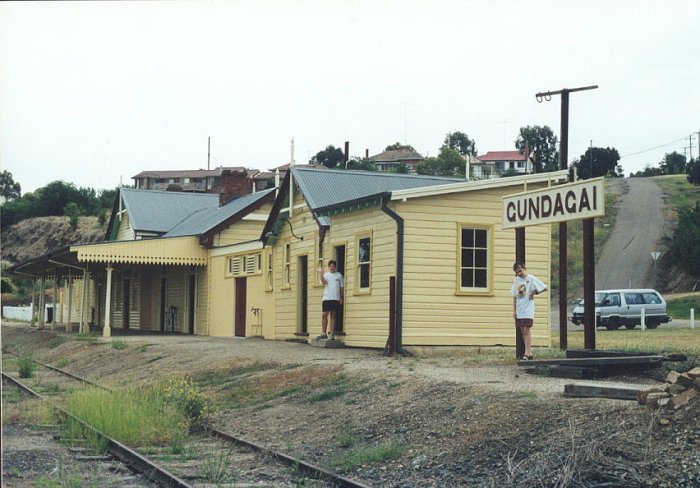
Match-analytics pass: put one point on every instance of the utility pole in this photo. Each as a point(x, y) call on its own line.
point(690, 146)
point(589, 284)
point(208, 151)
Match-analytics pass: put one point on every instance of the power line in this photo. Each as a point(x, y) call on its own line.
point(653, 148)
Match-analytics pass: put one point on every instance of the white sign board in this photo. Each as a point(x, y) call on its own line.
point(655, 255)
point(581, 200)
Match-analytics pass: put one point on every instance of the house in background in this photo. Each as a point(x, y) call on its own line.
point(494, 163)
point(391, 159)
point(204, 180)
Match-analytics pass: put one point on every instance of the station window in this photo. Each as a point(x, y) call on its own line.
point(474, 259)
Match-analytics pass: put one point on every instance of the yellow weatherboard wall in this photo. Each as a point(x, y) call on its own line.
point(436, 311)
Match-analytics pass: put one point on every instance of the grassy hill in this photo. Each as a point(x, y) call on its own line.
point(36, 236)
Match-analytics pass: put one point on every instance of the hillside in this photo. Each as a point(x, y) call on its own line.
point(36, 236)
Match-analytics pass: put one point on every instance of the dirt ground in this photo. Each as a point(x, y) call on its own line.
point(452, 420)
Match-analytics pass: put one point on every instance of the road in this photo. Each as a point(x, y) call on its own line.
point(625, 261)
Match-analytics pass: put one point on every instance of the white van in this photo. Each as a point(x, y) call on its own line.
point(615, 308)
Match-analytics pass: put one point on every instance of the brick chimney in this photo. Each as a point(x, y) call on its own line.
point(232, 184)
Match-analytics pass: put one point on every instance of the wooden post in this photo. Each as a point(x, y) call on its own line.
point(589, 317)
point(519, 257)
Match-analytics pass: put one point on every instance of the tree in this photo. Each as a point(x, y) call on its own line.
point(397, 146)
point(673, 164)
point(460, 142)
point(684, 246)
point(401, 168)
point(363, 164)
point(448, 163)
point(693, 169)
point(543, 141)
point(603, 162)
point(329, 157)
point(8, 188)
point(73, 212)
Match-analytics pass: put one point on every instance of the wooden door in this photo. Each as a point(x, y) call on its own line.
point(340, 267)
point(303, 276)
point(191, 302)
point(241, 306)
point(127, 303)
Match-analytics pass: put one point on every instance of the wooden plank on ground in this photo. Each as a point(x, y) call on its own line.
point(617, 361)
point(604, 390)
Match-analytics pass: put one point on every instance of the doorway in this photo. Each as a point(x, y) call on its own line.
point(163, 297)
point(240, 315)
point(191, 302)
point(339, 252)
point(303, 273)
point(127, 303)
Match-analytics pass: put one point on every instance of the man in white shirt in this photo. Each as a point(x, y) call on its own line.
point(333, 288)
point(525, 287)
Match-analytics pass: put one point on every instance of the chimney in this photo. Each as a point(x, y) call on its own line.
point(232, 184)
point(347, 151)
point(366, 153)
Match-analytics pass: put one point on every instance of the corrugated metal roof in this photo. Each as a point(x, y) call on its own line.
point(160, 211)
point(502, 156)
point(330, 188)
point(207, 218)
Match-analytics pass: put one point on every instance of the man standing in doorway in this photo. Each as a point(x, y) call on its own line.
point(525, 287)
point(333, 288)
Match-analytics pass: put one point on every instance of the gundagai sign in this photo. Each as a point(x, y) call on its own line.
point(580, 200)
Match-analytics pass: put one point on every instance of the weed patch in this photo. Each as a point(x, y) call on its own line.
point(119, 345)
point(370, 454)
point(136, 416)
point(26, 365)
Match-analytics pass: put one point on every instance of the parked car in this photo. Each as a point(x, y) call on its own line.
point(615, 308)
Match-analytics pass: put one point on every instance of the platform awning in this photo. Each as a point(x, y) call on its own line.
point(185, 251)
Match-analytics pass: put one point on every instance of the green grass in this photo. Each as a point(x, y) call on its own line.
point(135, 417)
point(119, 345)
point(62, 363)
point(232, 374)
point(26, 365)
point(679, 308)
point(680, 191)
point(657, 341)
point(369, 454)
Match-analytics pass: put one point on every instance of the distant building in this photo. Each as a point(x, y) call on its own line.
point(234, 180)
point(388, 160)
point(494, 163)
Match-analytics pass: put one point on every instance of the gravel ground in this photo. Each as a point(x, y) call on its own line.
point(452, 422)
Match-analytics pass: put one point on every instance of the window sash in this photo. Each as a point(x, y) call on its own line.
point(474, 258)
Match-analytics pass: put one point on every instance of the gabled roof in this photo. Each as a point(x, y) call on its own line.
point(324, 189)
point(502, 156)
point(395, 155)
point(206, 219)
point(159, 211)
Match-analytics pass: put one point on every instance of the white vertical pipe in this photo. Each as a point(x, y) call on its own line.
point(69, 326)
point(644, 327)
point(107, 330)
point(692, 318)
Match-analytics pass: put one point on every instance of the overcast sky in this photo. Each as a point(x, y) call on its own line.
point(93, 93)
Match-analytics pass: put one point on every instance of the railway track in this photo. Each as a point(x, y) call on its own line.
point(208, 457)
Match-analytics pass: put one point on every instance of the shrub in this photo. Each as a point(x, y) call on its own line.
point(26, 365)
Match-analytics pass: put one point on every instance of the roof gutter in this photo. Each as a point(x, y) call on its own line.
point(399, 272)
